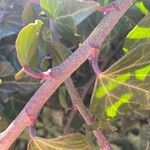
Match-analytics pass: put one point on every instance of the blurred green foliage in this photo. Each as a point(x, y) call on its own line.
point(132, 130)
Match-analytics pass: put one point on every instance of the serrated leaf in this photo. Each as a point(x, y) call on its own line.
point(70, 142)
point(26, 43)
point(52, 8)
point(124, 87)
point(139, 34)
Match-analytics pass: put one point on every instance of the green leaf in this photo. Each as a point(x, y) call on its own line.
point(124, 87)
point(78, 10)
point(9, 86)
point(70, 142)
point(15, 104)
point(66, 22)
point(6, 69)
point(63, 97)
point(45, 64)
point(68, 33)
point(52, 8)
point(74, 13)
point(51, 121)
point(104, 2)
point(26, 43)
point(3, 122)
point(140, 34)
point(10, 21)
point(60, 53)
point(142, 7)
point(68, 13)
point(29, 15)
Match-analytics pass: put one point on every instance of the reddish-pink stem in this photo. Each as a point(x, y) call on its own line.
point(41, 75)
point(70, 117)
point(102, 141)
point(107, 9)
point(34, 1)
point(94, 60)
point(61, 73)
point(89, 119)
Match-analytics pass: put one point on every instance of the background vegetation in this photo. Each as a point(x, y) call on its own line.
point(133, 129)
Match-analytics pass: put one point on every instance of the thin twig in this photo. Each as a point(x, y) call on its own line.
point(89, 119)
point(71, 115)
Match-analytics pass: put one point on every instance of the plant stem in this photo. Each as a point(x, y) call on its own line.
point(108, 8)
point(102, 141)
point(41, 75)
point(94, 61)
point(60, 74)
point(73, 112)
point(89, 119)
